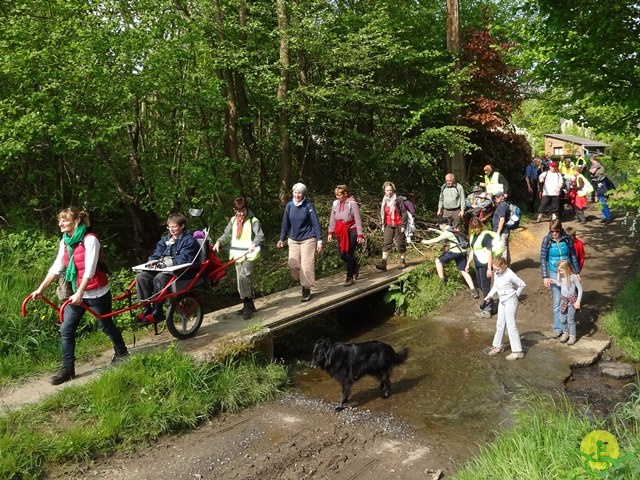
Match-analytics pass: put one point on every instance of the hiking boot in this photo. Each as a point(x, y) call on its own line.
point(539, 220)
point(474, 293)
point(572, 340)
point(515, 356)
point(492, 351)
point(403, 263)
point(348, 281)
point(119, 357)
point(356, 272)
point(141, 319)
point(554, 334)
point(306, 294)
point(564, 337)
point(382, 266)
point(64, 375)
point(157, 317)
point(247, 307)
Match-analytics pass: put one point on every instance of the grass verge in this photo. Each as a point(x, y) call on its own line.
point(544, 440)
point(147, 396)
point(623, 322)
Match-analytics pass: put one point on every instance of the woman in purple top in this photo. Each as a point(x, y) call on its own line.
point(301, 229)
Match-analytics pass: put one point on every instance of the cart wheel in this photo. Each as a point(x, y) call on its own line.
point(184, 316)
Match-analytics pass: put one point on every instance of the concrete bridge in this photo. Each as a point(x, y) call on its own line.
point(282, 310)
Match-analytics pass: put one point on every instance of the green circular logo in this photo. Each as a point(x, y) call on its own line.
point(600, 449)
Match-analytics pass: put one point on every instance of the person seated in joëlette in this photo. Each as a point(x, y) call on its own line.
point(178, 247)
point(476, 202)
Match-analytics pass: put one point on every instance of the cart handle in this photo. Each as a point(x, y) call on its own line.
point(23, 308)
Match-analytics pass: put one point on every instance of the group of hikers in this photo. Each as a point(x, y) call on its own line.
point(79, 256)
point(555, 183)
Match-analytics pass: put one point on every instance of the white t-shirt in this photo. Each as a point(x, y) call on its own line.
point(552, 183)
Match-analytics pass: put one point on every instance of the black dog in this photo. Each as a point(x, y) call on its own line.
point(349, 362)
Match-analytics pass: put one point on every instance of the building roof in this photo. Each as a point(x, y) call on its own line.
point(585, 142)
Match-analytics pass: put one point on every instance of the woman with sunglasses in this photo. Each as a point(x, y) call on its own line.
point(556, 246)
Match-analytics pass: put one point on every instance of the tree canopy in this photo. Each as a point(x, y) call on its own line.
point(142, 108)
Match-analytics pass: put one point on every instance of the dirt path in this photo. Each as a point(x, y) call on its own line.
point(299, 437)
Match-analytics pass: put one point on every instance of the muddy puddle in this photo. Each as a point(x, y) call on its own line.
point(447, 388)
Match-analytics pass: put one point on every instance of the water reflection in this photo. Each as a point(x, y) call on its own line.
point(447, 388)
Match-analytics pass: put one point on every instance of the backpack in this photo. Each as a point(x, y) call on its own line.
point(102, 265)
point(515, 214)
point(408, 205)
point(411, 213)
point(461, 239)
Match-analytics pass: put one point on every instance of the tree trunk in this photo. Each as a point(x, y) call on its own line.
point(243, 109)
point(231, 114)
point(455, 164)
point(283, 115)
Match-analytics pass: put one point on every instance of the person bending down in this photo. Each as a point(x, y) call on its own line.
point(455, 252)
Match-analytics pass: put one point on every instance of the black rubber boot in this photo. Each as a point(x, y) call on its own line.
point(64, 375)
point(306, 294)
point(248, 309)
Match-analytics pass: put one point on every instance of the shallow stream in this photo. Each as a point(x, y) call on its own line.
point(447, 388)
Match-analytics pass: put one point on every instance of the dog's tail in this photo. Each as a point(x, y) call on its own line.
point(401, 356)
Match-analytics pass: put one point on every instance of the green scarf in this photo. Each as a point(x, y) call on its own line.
point(72, 272)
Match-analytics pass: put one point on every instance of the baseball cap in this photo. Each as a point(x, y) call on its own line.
point(554, 164)
point(477, 188)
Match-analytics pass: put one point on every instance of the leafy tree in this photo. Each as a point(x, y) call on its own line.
point(586, 51)
point(491, 96)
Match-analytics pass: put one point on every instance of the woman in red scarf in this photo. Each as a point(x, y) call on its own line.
point(394, 222)
point(244, 236)
point(346, 225)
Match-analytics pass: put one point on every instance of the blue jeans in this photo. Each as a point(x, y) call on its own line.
point(568, 320)
point(72, 316)
point(555, 300)
point(606, 213)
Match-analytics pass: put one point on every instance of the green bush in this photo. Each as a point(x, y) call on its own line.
point(420, 291)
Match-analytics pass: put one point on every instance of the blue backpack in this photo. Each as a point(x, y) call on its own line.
point(515, 214)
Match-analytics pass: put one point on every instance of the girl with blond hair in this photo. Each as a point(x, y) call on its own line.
point(570, 298)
